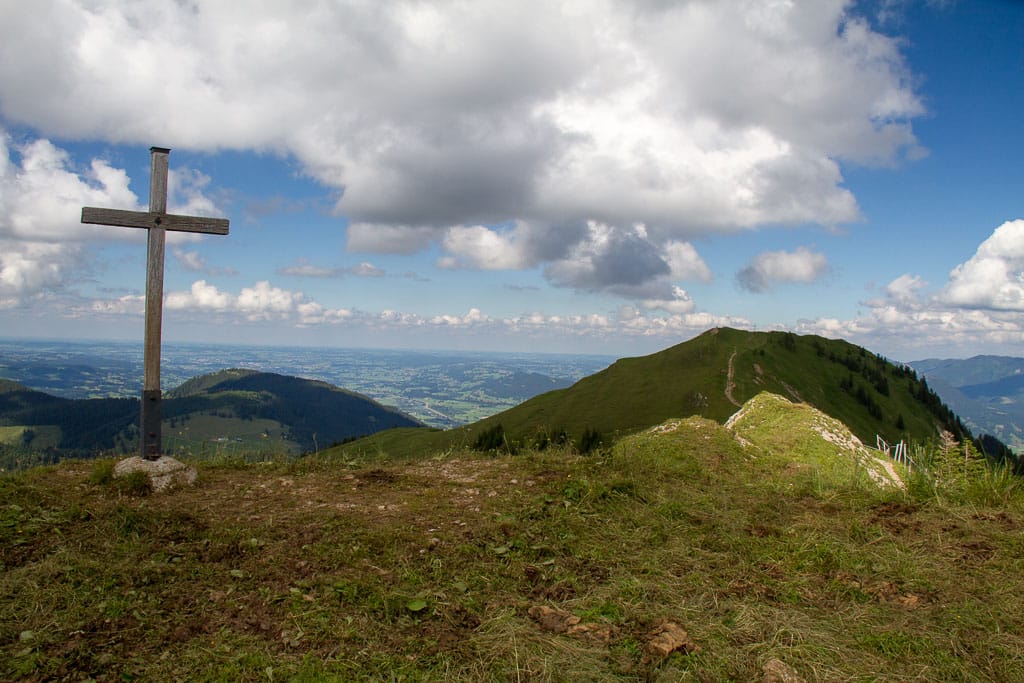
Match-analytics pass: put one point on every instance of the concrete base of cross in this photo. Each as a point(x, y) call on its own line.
point(163, 472)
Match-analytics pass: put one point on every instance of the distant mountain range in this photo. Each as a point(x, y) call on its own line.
point(986, 391)
point(232, 410)
point(710, 376)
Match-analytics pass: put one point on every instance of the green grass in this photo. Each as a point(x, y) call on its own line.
point(205, 436)
point(43, 436)
point(426, 570)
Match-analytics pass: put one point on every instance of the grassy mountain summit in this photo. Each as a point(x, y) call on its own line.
point(771, 545)
point(204, 384)
point(711, 376)
point(691, 550)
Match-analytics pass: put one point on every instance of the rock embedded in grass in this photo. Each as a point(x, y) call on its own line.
point(163, 472)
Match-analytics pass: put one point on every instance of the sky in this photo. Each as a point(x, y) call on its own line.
point(579, 176)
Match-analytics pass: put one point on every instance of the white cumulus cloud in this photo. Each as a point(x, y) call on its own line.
point(265, 301)
point(685, 262)
point(481, 247)
point(44, 243)
point(775, 267)
point(994, 277)
point(906, 288)
point(28, 267)
point(202, 296)
point(690, 118)
point(977, 308)
point(473, 317)
point(262, 302)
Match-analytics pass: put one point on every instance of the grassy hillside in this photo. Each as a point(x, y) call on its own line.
point(680, 554)
point(73, 427)
point(7, 385)
point(227, 412)
point(308, 414)
point(204, 384)
point(711, 376)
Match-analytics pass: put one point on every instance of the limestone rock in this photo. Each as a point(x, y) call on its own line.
point(163, 472)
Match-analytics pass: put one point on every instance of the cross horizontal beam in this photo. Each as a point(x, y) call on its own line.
point(149, 219)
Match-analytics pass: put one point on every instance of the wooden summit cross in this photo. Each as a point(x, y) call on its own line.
point(157, 221)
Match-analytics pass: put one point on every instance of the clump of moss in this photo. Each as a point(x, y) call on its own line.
point(134, 484)
point(102, 473)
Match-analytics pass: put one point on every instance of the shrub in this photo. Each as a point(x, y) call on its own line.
point(590, 441)
point(493, 440)
point(543, 440)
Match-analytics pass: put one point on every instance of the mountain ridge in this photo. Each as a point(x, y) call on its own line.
point(710, 376)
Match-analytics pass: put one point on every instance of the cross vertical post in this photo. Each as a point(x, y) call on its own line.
point(157, 222)
point(150, 442)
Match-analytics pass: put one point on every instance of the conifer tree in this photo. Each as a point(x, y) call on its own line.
point(954, 464)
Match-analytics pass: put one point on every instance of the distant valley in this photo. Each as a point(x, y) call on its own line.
point(986, 391)
point(442, 389)
point(81, 398)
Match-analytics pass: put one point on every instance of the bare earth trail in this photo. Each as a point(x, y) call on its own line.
point(730, 384)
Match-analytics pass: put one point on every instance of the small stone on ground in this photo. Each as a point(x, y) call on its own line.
point(560, 621)
point(777, 671)
point(668, 637)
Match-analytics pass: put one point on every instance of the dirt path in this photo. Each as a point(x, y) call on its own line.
point(729, 383)
point(896, 478)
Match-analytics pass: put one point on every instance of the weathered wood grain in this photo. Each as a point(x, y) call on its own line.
point(144, 219)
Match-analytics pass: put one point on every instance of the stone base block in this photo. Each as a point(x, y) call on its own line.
point(163, 472)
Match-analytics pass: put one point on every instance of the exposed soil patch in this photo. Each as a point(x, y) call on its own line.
point(377, 476)
point(560, 621)
point(974, 551)
point(730, 384)
point(895, 517)
point(1004, 519)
